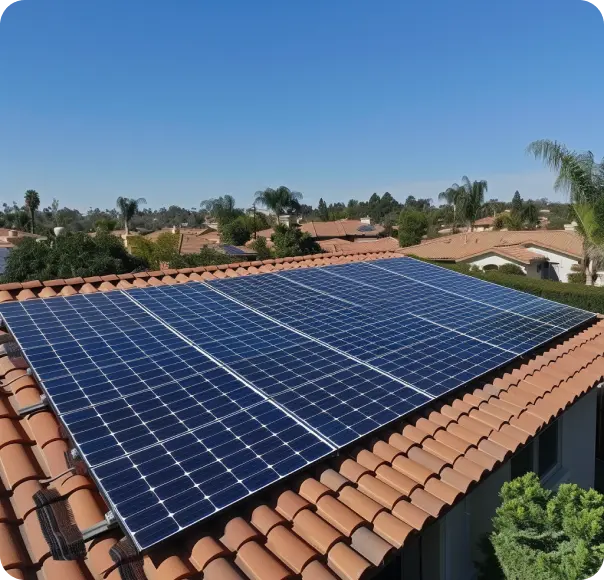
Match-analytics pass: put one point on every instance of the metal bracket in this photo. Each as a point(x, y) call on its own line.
point(43, 404)
point(102, 527)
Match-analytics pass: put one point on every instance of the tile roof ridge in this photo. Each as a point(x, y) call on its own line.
point(25, 290)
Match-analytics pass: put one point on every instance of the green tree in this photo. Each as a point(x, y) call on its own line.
point(128, 207)
point(542, 535)
point(530, 214)
point(262, 250)
point(412, 227)
point(323, 211)
point(469, 197)
point(105, 224)
point(280, 201)
point(69, 256)
point(32, 203)
point(582, 177)
point(451, 197)
point(291, 241)
point(517, 204)
point(164, 249)
point(236, 232)
point(513, 221)
point(222, 209)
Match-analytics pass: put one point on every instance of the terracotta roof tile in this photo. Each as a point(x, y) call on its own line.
point(290, 549)
point(316, 571)
point(258, 564)
point(221, 569)
point(347, 563)
point(338, 515)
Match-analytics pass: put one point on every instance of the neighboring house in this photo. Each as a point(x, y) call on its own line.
point(349, 230)
point(340, 245)
point(412, 502)
point(191, 240)
point(484, 224)
point(549, 254)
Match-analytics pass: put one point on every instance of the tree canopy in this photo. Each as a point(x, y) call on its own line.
point(128, 207)
point(69, 256)
point(279, 201)
point(412, 227)
point(32, 203)
point(582, 178)
point(291, 241)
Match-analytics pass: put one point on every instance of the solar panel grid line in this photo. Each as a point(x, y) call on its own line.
point(188, 479)
point(498, 287)
point(427, 385)
point(232, 372)
point(312, 384)
point(411, 313)
point(525, 334)
point(324, 344)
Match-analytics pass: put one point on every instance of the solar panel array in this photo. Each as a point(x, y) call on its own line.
point(186, 399)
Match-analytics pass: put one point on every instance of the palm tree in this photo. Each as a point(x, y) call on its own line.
point(32, 203)
point(468, 198)
point(450, 197)
point(582, 177)
point(279, 201)
point(128, 207)
point(222, 209)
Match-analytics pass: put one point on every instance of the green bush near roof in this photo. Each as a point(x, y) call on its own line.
point(586, 297)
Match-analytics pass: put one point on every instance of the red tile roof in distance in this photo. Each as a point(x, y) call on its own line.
point(344, 518)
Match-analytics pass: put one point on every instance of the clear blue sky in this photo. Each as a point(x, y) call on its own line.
point(182, 101)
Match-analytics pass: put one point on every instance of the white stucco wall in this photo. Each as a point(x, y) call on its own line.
point(564, 262)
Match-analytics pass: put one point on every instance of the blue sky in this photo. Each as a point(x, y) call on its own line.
point(179, 102)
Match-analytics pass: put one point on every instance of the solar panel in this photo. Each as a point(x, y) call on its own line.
point(186, 399)
point(235, 251)
point(544, 311)
point(338, 397)
point(170, 436)
point(432, 339)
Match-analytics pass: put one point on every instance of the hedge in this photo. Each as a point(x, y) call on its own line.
point(586, 297)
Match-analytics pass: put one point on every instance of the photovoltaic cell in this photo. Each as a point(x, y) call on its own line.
point(433, 339)
point(170, 435)
point(339, 398)
point(539, 309)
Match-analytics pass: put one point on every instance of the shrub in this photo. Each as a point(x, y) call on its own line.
point(205, 257)
point(235, 232)
point(511, 269)
point(164, 249)
point(577, 278)
point(293, 242)
point(488, 267)
point(263, 252)
point(69, 256)
point(541, 535)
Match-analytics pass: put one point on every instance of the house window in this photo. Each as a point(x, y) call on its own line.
point(548, 449)
point(523, 461)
